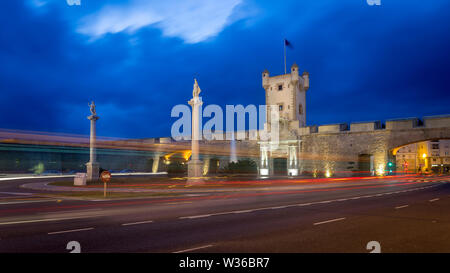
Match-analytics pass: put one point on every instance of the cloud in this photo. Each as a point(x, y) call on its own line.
point(366, 63)
point(193, 21)
point(37, 3)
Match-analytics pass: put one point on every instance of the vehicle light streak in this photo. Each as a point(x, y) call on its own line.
point(213, 197)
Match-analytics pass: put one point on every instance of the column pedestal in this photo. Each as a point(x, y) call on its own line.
point(195, 173)
point(92, 171)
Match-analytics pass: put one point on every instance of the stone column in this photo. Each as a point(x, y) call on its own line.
point(206, 165)
point(155, 165)
point(195, 165)
point(92, 167)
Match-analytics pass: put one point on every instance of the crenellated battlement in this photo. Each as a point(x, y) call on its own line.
point(428, 122)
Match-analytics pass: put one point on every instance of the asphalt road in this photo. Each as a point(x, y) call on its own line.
point(402, 215)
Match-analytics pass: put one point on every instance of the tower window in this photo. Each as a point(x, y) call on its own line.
point(280, 107)
point(280, 87)
point(300, 109)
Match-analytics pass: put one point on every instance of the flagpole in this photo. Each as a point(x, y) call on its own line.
point(284, 42)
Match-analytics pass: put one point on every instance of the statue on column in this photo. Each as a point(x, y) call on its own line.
point(196, 91)
point(92, 108)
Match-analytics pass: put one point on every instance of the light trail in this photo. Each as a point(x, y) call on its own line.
point(213, 197)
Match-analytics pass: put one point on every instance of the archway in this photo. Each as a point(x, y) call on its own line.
point(280, 166)
point(427, 156)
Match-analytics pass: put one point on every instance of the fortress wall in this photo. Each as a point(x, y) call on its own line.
point(333, 128)
point(343, 152)
point(399, 124)
point(437, 121)
point(340, 151)
point(307, 130)
point(365, 126)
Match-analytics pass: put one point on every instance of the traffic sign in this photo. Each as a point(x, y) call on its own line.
point(105, 176)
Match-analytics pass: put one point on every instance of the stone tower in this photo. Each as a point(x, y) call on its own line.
point(288, 92)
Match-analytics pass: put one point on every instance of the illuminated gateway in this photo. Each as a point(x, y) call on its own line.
point(327, 150)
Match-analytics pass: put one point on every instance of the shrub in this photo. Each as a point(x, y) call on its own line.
point(176, 168)
point(242, 166)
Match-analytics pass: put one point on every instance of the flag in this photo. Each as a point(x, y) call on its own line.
point(288, 44)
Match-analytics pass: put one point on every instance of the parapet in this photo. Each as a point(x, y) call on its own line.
point(437, 121)
point(365, 126)
point(333, 128)
point(307, 130)
point(165, 140)
point(401, 124)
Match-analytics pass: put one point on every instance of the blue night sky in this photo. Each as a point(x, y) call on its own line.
point(137, 59)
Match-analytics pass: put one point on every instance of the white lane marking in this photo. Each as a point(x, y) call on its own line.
point(288, 206)
point(196, 216)
point(304, 204)
point(329, 221)
point(280, 207)
point(71, 230)
point(137, 223)
point(192, 249)
point(242, 211)
point(435, 199)
point(401, 207)
point(42, 220)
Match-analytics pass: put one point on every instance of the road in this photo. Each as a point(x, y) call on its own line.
point(402, 215)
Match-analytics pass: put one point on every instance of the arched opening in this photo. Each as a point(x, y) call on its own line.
point(430, 156)
point(280, 166)
point(365, 164)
